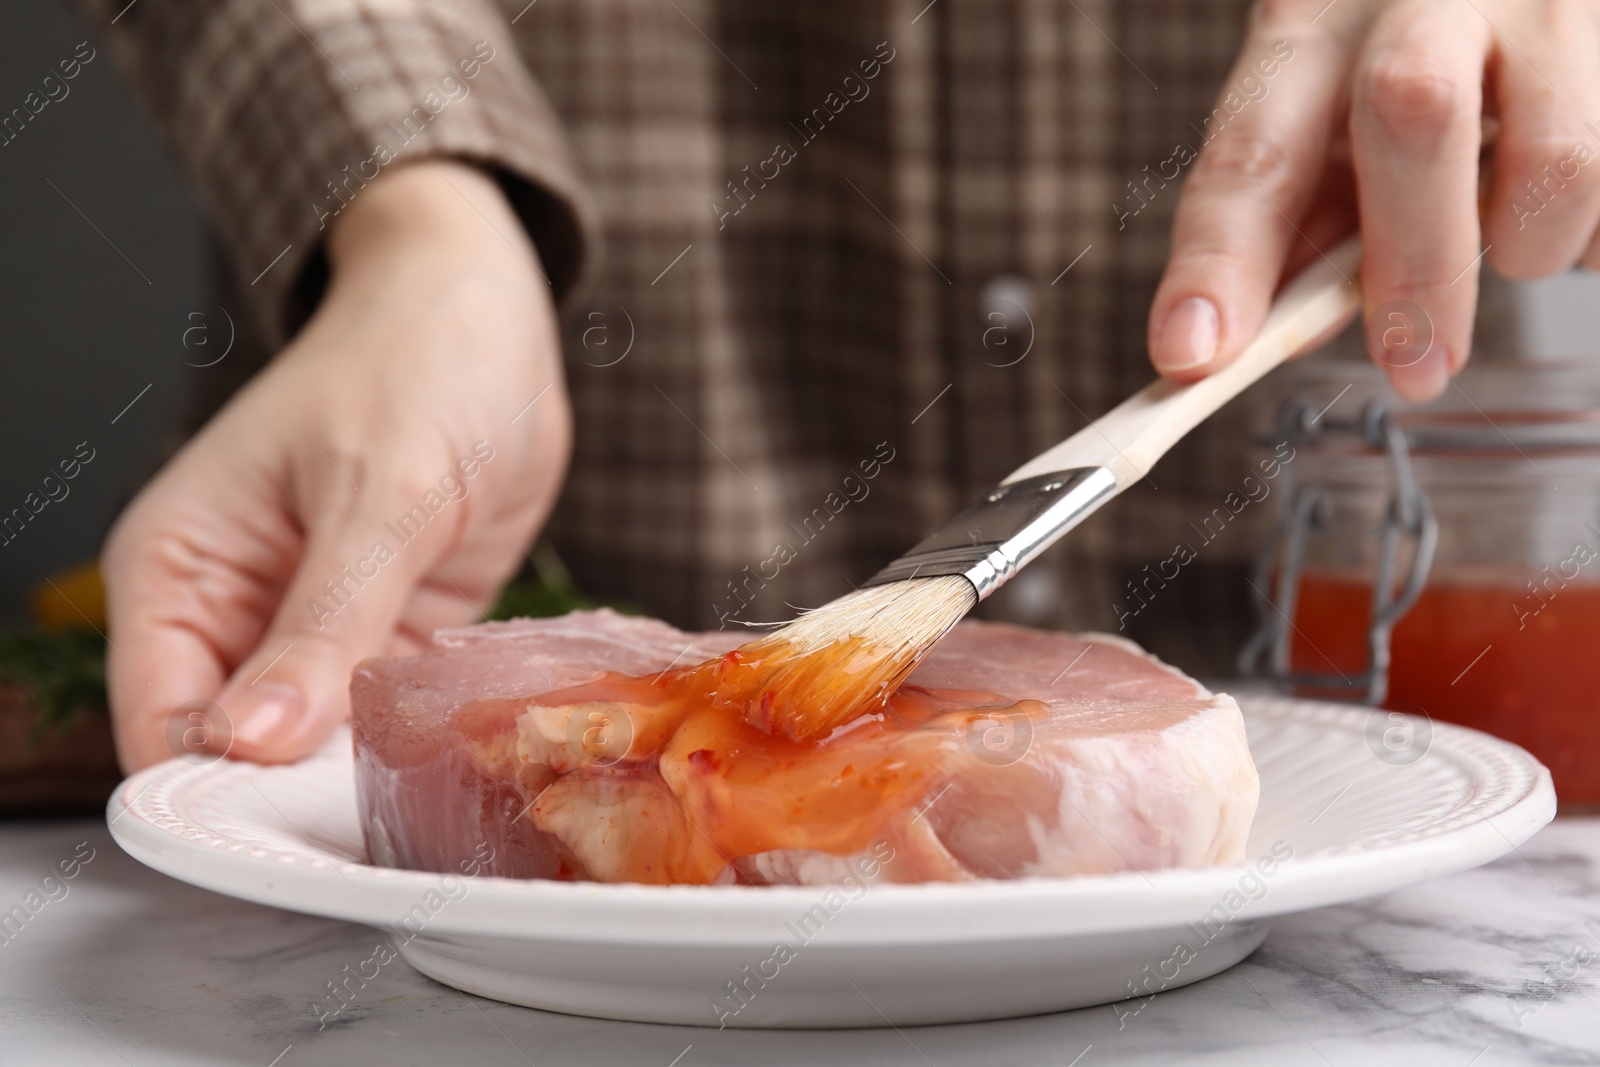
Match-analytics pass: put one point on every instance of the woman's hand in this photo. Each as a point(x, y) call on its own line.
point(1409, 82)
point(379, 479)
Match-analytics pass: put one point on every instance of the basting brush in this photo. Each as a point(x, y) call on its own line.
point(836, 661)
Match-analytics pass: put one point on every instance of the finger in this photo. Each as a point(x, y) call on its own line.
point(1545, 202)
point(153, 669)
point(1415, 135)
point(1262, 159)
point(182, 609)
point(441, 600)
point(1591, 257)
point(358, 572)
point(1330, 219)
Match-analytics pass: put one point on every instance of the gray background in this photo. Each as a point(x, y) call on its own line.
point(85, 330)
point(82, 331)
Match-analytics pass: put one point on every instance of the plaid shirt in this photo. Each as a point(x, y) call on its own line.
point(797, 243)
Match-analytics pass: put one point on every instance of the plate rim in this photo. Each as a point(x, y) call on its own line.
point(548, 911)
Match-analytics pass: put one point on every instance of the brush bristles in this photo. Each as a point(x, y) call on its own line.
point(833, 663)
point(912, 614)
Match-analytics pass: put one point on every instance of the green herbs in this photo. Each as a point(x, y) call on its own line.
point(64, 672)
point(544, 587)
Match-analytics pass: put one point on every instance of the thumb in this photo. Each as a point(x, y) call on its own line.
point(341, 607)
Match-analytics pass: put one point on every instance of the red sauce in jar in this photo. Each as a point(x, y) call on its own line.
point(1485, 653)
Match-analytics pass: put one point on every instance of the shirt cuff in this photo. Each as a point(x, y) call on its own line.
point(283, 110)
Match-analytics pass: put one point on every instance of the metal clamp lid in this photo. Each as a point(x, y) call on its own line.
point(1408, 516)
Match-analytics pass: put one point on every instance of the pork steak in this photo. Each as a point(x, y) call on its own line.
point(571, 748)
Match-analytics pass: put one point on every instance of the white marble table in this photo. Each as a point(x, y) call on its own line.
point(125, 966)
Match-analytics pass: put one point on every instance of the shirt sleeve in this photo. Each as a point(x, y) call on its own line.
point(282, 110)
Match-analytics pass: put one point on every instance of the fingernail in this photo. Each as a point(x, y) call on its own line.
point(267, 712)
point(1188, 337)
point(1425, 379)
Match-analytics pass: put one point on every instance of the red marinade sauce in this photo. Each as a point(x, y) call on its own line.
point(833, 795)
point(1485, 653)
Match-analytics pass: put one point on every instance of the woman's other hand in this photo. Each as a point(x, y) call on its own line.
point(380, 478)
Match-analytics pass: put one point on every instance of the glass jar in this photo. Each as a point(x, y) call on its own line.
point(1444, 560)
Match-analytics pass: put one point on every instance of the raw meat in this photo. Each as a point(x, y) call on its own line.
point(589, 747)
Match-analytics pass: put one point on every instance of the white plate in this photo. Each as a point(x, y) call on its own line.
point(1367, 802)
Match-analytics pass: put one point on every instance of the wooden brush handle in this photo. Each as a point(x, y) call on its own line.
point(1132, 436)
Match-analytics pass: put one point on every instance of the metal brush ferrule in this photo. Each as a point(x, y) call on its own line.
point(1005, 529)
